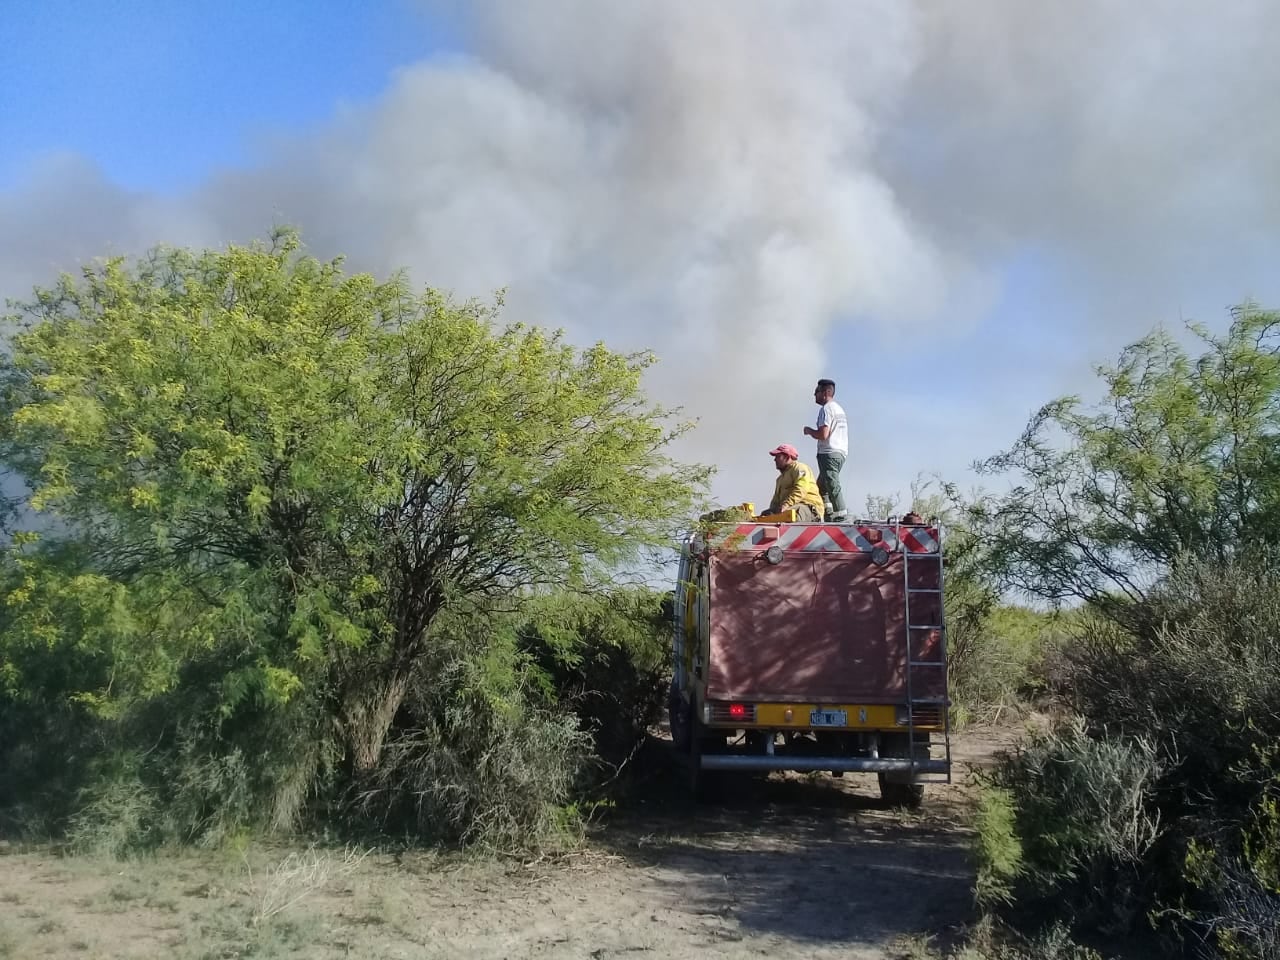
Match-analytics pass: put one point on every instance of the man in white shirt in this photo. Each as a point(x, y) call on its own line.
point(832, 434)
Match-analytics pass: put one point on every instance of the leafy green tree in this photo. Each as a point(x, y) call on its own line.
point(1180, 459)
point(266, 470)
point(607, 661)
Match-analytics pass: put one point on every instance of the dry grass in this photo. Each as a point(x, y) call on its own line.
point(664, 881)
point(297, 876)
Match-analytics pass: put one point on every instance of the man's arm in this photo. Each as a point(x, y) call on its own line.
point(824, 427)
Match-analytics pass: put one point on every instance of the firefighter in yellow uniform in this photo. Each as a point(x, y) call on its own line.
point(797, 488)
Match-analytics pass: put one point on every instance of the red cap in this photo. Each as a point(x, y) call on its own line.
point(786, 448)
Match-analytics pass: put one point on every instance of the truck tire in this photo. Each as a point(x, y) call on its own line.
point(897, 794)
point(678, 716)
point(894, 790)
point(704, 785)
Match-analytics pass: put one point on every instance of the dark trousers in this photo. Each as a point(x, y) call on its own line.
point(829, 466)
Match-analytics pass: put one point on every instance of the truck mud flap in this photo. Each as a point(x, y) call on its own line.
point(723, 761)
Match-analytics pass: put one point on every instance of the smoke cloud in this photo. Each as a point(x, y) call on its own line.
point(742, 185)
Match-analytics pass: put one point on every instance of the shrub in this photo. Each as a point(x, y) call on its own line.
point(1199, 676)
point(997, 657)
point(990, 939)
point(1166, 801)
point(119, 815)
point(523, 719)
point(1085, 819)
point(511, 723)
point(998, 849)
point(196, 783)
point(993, 942)
point(606, 661)
point(1230, 906)
point(475, 762)
point(43, 750)
point(1232, 875)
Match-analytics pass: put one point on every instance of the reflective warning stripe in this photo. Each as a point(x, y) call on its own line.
point(921, 539)
point(833, 537)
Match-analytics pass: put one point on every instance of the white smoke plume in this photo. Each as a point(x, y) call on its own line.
point(739, 184)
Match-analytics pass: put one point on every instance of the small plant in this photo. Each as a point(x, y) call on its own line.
point(119, 814)
point(125, 893)
point(296, 877)
point(991, 940)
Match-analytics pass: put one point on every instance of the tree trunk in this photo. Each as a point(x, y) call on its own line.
point(367, 714)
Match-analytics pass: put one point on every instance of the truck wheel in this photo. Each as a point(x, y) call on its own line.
point(678, 715)
point(703, 784)
point(897, 794)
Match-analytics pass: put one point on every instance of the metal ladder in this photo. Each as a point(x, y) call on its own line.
point(942, 702)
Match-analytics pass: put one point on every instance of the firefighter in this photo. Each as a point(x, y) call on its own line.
point(796, 488)
point(832, 434)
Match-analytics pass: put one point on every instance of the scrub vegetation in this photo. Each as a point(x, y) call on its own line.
point(294, 552)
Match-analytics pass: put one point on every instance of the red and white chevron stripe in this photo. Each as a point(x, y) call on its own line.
point(835, 537)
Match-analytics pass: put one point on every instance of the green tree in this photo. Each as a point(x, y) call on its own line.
point(1180, 459)
point(279, 477)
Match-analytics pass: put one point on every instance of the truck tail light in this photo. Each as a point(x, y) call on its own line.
point(731, 712)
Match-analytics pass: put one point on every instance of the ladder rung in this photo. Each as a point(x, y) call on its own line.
point(912, 555)
point(931, 700)
point(928, 663)
point(923, 590)
point(924, 626)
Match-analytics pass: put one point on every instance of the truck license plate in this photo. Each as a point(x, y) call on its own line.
point(828, 718)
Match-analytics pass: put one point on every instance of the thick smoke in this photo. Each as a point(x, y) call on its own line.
point(738, 184)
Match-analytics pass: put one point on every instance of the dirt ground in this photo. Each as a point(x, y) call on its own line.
point(788, 867)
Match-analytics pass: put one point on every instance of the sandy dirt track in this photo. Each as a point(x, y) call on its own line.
point(789, 867)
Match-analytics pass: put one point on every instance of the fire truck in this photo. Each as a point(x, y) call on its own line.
point(814, 647)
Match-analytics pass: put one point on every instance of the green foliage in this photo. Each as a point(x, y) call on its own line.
point(998, 849)
point(1085, 814)
point(501, 752)
point(1262, 842)
point(1188, 699)
point(606, 660)
point(1227, 902)
point(1000, 657)
point(989, 939)
point(1158, 508)
point(268, 483)
point(1180, 459)
point(1200, 678)
point(481, 762)
point(991, 942)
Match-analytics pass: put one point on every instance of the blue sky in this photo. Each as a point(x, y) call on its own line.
point(762, 199)
point(161, 93)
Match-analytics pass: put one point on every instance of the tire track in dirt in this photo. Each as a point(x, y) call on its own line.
point(788, 867)
point(797, 866)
